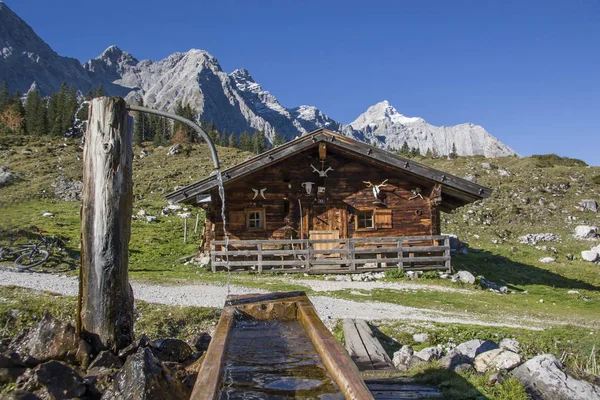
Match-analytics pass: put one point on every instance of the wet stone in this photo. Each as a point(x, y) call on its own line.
point(52, 339)
point(172, 350)
point(106, 359)
point(54, 380)
point(202, 342)
point(144, 377)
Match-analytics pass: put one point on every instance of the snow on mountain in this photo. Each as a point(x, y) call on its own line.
point(234, 102)
point(383, 124)
point(25, 58)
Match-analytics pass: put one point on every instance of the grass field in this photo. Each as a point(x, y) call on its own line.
point(537, 194)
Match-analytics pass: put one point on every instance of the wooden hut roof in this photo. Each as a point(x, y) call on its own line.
point(456, 191)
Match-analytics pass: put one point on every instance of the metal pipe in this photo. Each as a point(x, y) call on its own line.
point(199, 131)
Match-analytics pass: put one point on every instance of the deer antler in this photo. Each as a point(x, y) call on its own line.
point(383, 183)
point(314, 169)
point(369, 184)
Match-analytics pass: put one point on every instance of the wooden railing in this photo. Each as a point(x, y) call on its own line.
point(333, 255)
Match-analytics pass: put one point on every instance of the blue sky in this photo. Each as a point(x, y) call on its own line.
point(529, 72)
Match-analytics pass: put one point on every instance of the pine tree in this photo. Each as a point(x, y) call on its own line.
point(213, 133)
point(19, 104)
point(35, 114)
point(224, 138)
point(244, 142)
point(405, 150)
point(232, 140)
point(138, 125)
point(453, 153)
point(415, 152)
point(259, 142)
point(278, 139)
point(189, 113)
point(99, 91)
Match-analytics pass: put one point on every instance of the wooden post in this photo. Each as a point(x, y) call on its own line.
point(448, 262)
point(260, 260)
point(196, 226)
point(400, 255)
point(105, 309)
point(351, 247)
point(185, 230)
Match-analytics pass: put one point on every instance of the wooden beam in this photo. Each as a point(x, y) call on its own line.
point(105, 314)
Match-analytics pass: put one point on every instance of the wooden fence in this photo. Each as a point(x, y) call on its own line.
point(316, 256)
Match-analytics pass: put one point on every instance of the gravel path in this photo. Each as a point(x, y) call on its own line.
point(212, 295)
point(331, 285)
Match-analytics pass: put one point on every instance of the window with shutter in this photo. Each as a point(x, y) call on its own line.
point(383, 219)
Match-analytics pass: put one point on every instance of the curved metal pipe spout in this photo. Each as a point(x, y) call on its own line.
point(200, 131)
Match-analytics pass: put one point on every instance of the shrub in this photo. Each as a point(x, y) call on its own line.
point(552, 160)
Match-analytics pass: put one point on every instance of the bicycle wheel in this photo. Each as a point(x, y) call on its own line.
point(31, 259)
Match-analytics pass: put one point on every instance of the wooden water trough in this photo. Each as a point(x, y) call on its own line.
point(244, 360)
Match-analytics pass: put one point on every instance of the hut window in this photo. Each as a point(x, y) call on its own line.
point(364, 219)
point(255, 219)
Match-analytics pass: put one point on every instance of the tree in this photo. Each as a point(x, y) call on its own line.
point(453, 153)
point(244, 142)
point(224, 138)
point(213, 133)
point(99, 91)
point(189, 113)
point(35, 114)
point(415, 152)
point(232, 140)
point(259, 142)
point(18, 104)
point(278, 139)
point(11, 120)
point(405, 150)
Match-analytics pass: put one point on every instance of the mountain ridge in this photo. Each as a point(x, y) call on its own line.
point(233, 101)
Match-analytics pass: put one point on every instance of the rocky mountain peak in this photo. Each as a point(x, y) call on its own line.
point(381, 113)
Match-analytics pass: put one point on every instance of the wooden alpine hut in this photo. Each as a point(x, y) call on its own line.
point(325, 203)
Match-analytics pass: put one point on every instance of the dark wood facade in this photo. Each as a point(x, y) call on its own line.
point(284, 194)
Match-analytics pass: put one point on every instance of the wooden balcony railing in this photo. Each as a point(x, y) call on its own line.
point(353, 255)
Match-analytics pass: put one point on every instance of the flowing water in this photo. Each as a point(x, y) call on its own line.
point(222, 195)
point(274, 360)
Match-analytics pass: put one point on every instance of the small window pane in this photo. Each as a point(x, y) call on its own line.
point(255, 219)
point(365, 219)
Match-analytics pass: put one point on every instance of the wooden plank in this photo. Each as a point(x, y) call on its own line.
point(233, 253)
point(260, 259)
point(355, 346)
point(378, 356)
point(251, 263)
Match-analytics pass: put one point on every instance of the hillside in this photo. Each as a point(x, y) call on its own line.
point(531, 195)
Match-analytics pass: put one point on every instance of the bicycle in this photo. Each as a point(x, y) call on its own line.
point(31, 255)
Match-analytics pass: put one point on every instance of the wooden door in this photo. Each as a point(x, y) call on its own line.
point(328, 223)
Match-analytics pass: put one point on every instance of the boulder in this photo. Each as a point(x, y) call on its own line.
point(420, 337)
point(151, 218)
point(543, 378)
point(470, 178)
point(585, 232)
point(202, 341)
point(6, 176)
point(456, 361)
point(106, 359)
point(546, 260)
point(172, 350)
point(142, 341)
point(473, 348)
point(405, 358)
point(465, 277)
point(589, 255)
point(54, 380)
point(429, 354)
point(174, 150)
point(144, 377)
point(589, 205)
point(52, 339)
point(495, 360)
point(510, 344)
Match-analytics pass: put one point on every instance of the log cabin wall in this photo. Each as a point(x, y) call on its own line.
point(402, 212)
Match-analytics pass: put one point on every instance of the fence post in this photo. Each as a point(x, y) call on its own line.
point(105, 307)
point(400, 255)
point(447, 254)
point(352, 255)
point(213, 258)
point(260, 265)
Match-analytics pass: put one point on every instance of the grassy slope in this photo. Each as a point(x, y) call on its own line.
point(527, 201)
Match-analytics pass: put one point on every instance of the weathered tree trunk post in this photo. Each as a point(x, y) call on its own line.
point(105, 315)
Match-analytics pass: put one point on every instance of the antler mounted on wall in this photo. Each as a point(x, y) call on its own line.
point(376, 188)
